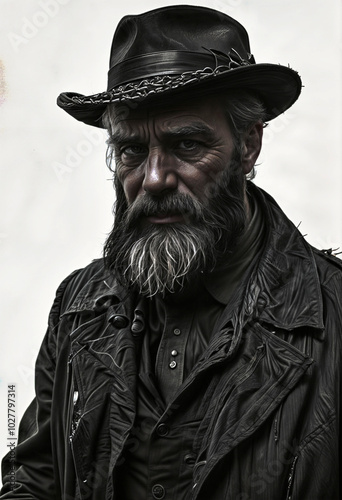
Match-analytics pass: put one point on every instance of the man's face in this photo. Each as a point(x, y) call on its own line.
point(181, 199)
point(179, 150)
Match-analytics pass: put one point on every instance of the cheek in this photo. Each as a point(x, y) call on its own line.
point(131, 183)
point(200, 177)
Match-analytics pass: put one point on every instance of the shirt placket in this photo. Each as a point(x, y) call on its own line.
point(170, 358)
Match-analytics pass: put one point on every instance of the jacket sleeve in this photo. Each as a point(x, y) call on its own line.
point(27, 471)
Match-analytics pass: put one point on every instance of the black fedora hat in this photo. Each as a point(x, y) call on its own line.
point(183, 50)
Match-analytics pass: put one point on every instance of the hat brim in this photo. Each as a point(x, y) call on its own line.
point(277, 86)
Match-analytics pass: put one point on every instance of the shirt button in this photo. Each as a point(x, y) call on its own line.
point(176, 331)
point(158, 491)
point(162, 430)
point(174, 353)
point(173, 365)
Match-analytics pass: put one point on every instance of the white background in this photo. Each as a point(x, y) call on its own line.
point(52, 224)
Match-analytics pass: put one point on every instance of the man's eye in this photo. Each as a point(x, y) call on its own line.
point(133, 150)
point(188, 145)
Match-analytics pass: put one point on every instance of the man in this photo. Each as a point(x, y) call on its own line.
point(200, 359)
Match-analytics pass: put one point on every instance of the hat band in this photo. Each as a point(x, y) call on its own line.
point(171, 62)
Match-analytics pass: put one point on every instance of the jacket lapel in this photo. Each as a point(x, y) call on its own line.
point(253, 386)
point(286, 279)
point(103, 369)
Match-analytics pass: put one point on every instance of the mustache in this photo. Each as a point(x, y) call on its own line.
point(176, 203)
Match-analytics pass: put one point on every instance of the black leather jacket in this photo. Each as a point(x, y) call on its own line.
point(272, 394)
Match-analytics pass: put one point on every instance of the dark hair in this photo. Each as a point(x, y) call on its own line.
point(243, 109)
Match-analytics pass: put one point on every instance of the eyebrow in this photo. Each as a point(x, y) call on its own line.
point(120, 136)
point(192, 129)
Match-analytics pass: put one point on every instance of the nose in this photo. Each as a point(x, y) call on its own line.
point(160, 175)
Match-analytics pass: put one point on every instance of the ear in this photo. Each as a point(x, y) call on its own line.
point(251, 147)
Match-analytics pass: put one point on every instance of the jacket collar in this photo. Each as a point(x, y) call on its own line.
point(285, 281)
point(98, 293)
point(286, 278)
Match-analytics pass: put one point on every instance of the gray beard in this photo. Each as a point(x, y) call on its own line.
point(164, 258)
point(160, 259)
